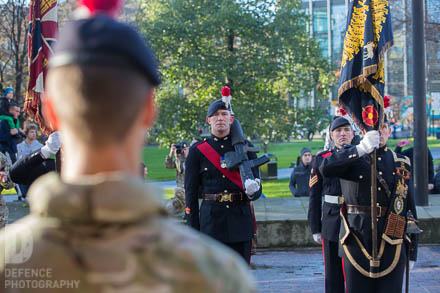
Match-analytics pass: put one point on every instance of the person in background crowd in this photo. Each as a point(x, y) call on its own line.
point(98, 226)
point(26, 147)
point(31, 166)
point(299, 179)
point(30, 144)
point(437, 181)
point(324, 220)
point(143, 171)
point(409, 152)
point(8, 135)
point(176, 160)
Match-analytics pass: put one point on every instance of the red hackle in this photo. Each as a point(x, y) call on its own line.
point(110, 7)
point(342, 111)
point(226, 91)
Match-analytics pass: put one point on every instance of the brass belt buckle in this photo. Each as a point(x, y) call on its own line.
point(226, 197)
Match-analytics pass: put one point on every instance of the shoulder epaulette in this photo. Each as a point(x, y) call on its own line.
point(401, 158)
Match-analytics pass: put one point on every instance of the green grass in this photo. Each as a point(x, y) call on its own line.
point(271, 188)
point(154, 159)
point(276, 188)
point(286, 153)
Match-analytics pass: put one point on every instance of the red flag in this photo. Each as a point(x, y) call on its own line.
point(43, 28)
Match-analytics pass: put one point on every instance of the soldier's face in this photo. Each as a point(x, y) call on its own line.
point(342, 135)
point(385, 132)
point(220, 122)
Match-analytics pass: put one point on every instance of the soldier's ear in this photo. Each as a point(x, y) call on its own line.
point(48, 111)
point(150, 110)
point(232, 119)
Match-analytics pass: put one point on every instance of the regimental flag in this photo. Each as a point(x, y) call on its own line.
point(43, 28)
point(367, 37)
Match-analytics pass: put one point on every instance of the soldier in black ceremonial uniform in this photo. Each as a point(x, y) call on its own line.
point(325, 223)
point(395, 205)
point(225, 212)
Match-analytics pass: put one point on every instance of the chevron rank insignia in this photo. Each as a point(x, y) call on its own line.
point(313, 180)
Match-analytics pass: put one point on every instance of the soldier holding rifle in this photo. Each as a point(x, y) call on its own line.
point(225, 212)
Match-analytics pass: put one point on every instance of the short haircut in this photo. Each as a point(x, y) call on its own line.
point(12, 104)
point(99, 103)
point(29, 127)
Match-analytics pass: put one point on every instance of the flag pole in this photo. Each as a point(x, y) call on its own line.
point(374, 263)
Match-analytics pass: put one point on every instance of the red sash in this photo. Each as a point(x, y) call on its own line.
point(214, 158)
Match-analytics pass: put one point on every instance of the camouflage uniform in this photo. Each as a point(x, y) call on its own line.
point(176, 205)
point(110, 234)
point(4, 212)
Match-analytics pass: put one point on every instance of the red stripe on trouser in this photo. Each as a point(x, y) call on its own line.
point(343, 272)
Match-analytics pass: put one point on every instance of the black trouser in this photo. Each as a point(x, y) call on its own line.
point(243, 248)
point(334, 275)
point(356, 282)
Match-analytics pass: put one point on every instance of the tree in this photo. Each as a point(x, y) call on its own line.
point(261, 49)
point(13, 38)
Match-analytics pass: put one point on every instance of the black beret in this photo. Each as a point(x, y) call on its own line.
point(339, 122)
point(217, 105)
point(101, 40)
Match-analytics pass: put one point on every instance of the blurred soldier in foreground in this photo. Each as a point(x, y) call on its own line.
point(179, 151)
point(395, 209)
point(225, 213)
point(98, 227)
point(5, 183)
point(324, 220)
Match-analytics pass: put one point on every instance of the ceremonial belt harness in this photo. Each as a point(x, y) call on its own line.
point(395, 223)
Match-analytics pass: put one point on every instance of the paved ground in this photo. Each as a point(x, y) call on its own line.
point(301, 270)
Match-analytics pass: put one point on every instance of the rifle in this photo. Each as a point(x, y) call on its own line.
point(239, 158)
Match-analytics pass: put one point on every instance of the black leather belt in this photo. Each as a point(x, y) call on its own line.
point(225, 197)
point(366, 210)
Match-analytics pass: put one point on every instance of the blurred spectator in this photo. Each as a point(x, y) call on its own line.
point(30, 144)
point(5, 100)
point(299, 179)
point(29, 167)
point(26, 147)
point(176, 160)
point(409, 153)
point(437, 182)
point(9, 135)
point(143, 171)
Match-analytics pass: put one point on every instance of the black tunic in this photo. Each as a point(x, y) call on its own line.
point(354, 172)
point(320, 186)
point(227, 222)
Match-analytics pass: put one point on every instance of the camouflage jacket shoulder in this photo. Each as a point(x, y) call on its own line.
point(5, 166)
point(110, 233)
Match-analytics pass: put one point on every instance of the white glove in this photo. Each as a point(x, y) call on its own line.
point(411, 264)
point(317, 238)
point(52, 145)
point(252, 186)
point(370, 141)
